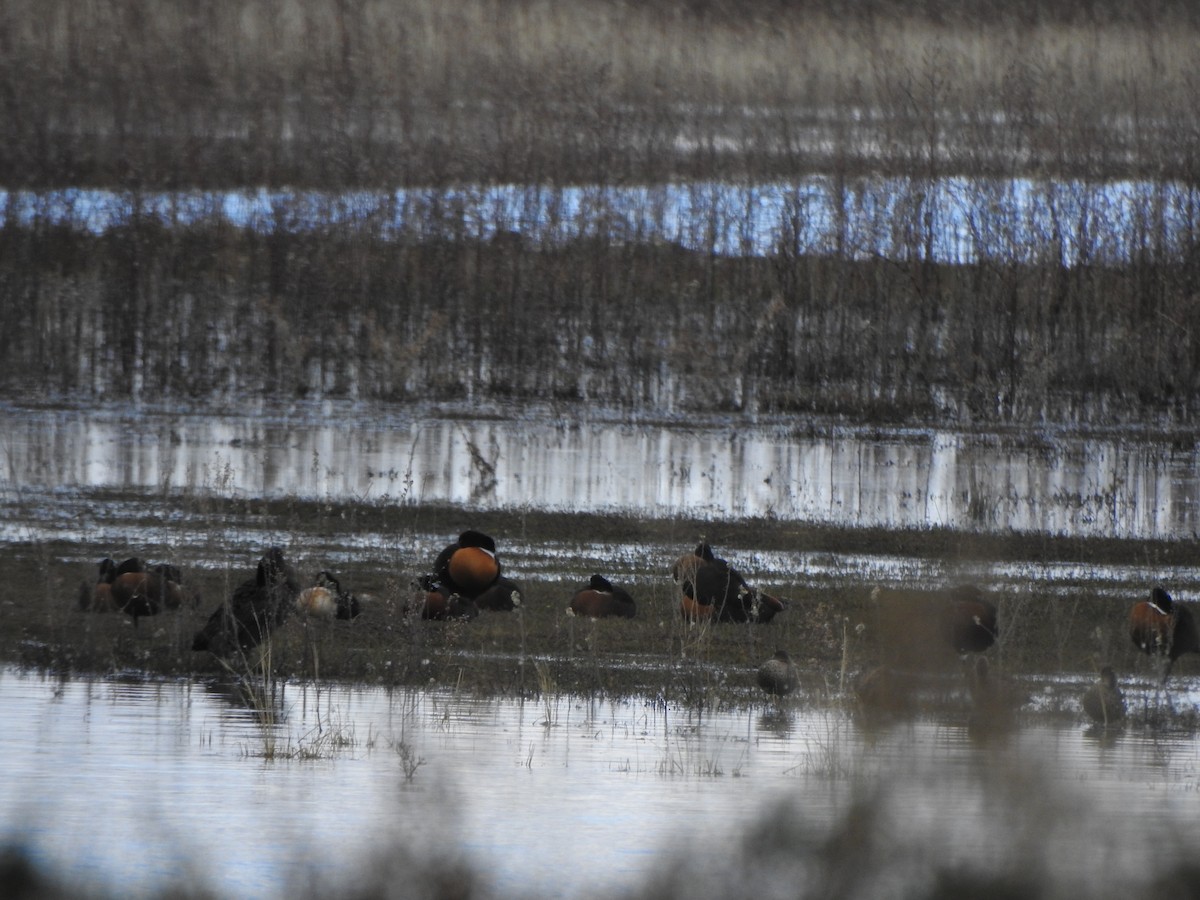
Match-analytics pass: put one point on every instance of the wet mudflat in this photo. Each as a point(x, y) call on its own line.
point(373, 494)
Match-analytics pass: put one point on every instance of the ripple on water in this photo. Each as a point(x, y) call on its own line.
point(566, 795)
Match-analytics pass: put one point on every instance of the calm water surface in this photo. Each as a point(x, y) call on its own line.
point(157, 466)
point(135, 784)
point(1053, 482)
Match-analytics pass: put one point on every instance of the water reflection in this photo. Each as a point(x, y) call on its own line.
point(1079, 486)
point(721, 217)
point(565, 796)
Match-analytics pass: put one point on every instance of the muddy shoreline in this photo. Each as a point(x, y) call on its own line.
point(833, 628)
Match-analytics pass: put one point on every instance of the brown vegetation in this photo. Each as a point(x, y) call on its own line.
point(1090, 319)
point(138, 94)
point(219, 314)
point(1084, 316)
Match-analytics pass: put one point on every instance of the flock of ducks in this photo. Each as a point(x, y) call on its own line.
point(133, 587)
point(466, 578)
point(711, 589)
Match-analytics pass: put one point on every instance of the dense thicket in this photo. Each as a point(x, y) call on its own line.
point(149, 311)
point(137, 97)
point(328, 93)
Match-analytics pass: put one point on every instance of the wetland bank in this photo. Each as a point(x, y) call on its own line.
point(824, 519)
point(897, 299)
point(408, 722)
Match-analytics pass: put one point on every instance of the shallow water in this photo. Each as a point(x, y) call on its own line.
point(139, 784)
point(1063, 484)
point(156, 467)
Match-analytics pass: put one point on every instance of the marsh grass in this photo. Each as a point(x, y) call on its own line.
point(410, 761)
point(1003, 317)
point(688, 747)
point(326, 743)
point(832, 630)
point(328, 737)
point(680, 760)
point(262, 693)
point(827, 749)
point(314, 92)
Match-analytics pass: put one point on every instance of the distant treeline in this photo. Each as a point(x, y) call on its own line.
point(137, 96)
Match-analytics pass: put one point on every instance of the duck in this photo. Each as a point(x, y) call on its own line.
point(147, 590)
point(1162, 627)
point(1103, 701)
point(258, 605)
point(505, 595)
point(969, 619)
point(778, 676)
point(325, 599)
point(98, 597)
point(133, 587)
point(435, 601)
point(600, 600)
point(711, 589)
point(469, 566)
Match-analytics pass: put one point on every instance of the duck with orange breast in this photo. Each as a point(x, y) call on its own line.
point(469, 566)
point(99, 597)
point(133, 587)
point(1162, 627)
point(600, 600)
point(712, 589)
point(325, 599)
